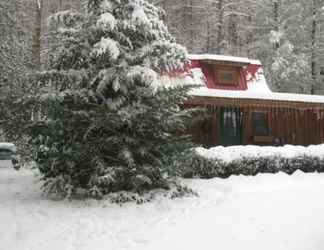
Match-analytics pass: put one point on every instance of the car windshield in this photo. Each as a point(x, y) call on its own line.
point(7, 147)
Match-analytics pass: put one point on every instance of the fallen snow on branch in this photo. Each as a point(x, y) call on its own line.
point(228, 154)
point(106, 45)
point(107, 21)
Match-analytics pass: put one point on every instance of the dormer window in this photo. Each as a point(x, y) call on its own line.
point(226, 75)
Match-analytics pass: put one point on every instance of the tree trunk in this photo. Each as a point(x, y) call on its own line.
point(208, 36)
point(249, 37)
point(189, 23)
point(276, 6)
point(36, 46)
point(313, 48)
point(220, 27)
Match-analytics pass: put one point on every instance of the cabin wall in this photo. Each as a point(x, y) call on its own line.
point(289, 126)
point(206, 131)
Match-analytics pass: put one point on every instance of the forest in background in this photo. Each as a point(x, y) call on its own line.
point(286, 35)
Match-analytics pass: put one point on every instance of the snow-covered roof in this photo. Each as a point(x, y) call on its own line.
point(223, 58)
point(272, 96)
point(257, 87)
point(257, 83)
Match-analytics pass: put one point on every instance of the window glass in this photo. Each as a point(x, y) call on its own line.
point(260, 124)
point(226, 75)
point(230, 122)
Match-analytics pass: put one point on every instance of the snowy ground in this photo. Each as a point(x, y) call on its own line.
point(265, 212)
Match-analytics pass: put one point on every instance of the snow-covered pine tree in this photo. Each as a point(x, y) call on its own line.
point(103, 123)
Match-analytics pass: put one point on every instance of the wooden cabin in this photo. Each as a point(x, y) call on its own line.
point(242, 108)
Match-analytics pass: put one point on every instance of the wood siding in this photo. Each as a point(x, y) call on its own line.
point(292, 123)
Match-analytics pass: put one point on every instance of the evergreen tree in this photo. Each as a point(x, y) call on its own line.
point(103, 123)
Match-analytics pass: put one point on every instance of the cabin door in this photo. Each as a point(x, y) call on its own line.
point(231, 127)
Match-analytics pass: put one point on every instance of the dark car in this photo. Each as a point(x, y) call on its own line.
point(8, 151)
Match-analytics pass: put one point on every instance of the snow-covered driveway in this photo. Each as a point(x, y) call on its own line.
point(275, 212)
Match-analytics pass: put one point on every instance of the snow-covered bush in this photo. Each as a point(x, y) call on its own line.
point(175, 191)
point(104, 124)
point(251, 160)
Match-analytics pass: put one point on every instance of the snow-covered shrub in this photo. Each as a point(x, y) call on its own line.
point(174, 191)
point(180, 191)
point(197, 166)
point(266, 160)
point(123, 197)
point(104, 124)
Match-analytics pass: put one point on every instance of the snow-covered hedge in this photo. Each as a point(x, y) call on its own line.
point(251, 160)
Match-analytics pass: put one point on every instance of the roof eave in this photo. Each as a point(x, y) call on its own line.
point(253, 102)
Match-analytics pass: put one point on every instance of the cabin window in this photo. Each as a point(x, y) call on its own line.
point(230, 122)
point(231, 128)
point(227, 75)
point(260, 124)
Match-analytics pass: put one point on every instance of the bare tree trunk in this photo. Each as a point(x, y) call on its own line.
point(60, 5)
point(37, 33)
point(188, 24)
point(233, 33)
point(208, 36)
point(276, 7)
point(313, 48)
point(220, 24)
point(249, 37)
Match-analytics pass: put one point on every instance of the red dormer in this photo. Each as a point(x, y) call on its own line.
point(225, 72)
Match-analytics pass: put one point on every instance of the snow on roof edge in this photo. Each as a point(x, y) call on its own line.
point(255, 62)
point(271, 96)
point(223, 58)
